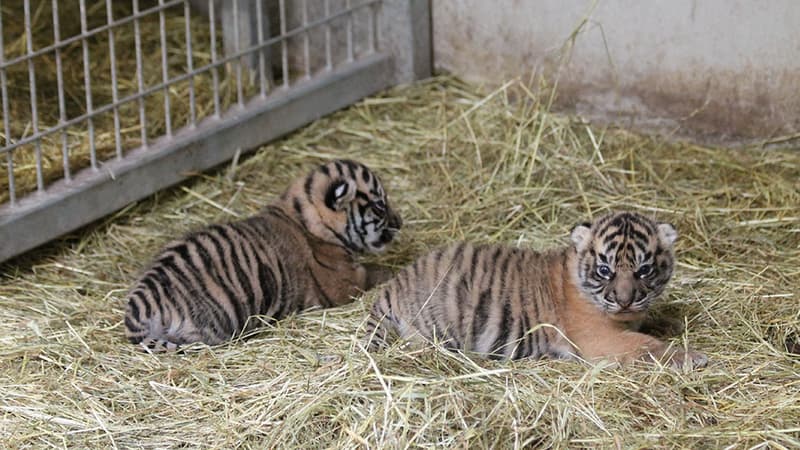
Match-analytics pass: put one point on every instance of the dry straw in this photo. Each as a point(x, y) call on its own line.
point(493, 166)
point(459, 165)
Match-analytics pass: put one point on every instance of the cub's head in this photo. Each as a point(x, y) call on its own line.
point(343, 202)
point(624, 262)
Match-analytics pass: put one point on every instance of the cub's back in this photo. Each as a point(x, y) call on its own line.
point(207, 285)
point(583, 300)
point(298, 253)
point(482, 298)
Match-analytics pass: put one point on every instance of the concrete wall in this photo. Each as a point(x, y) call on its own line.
point(719, 70)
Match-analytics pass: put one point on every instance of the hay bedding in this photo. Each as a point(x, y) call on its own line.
point(459, 165)
point(491, 167)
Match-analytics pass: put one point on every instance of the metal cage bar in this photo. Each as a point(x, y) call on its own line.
point(239, 62)
point(284, 43)
point(87, 86)
point(356, 63)
point(114, 86)
point(306, 40)
point(62, 108)
point(162, 30)
point(12, 192)
point(213, 45)
point(32, 90)
point(262, 76)
point(349, 28)
point(190, 64)
point(328, 38)
point(137, 37)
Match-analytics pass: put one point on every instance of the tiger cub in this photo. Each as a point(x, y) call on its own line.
point(298, 253)
point(585, 300)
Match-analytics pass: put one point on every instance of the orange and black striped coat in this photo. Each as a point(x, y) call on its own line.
point(580, 301)
point(297, 253)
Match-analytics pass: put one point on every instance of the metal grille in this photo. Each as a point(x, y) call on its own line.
point(105, 102)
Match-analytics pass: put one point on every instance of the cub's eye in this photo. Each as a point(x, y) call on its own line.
point(604, 271)
point(645, 270)
point(379, 208)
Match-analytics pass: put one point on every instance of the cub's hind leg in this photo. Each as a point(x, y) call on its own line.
point(149, 334)
point(387, 324)
point(164, 340)
point(156, 327)
point(157, 345)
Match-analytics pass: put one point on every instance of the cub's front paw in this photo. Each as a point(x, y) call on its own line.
point(690, 359)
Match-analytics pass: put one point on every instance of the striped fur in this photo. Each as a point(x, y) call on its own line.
point(510, 303)
point(296, 254)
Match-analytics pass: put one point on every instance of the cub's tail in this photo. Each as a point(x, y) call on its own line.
point(381, 329)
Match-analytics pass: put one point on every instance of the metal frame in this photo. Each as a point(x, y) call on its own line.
point(400, 54)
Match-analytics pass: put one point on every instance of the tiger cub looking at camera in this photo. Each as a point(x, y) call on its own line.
point(297, 253)
point(585, 300)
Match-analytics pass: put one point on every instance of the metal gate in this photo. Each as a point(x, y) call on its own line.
point(104, 102)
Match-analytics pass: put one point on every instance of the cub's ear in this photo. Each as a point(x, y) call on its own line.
point(340, 193)
point(580, 235)
point(667, 234)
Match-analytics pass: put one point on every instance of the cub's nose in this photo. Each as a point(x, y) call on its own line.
point(624, 299)
point(387, 236)
point(395, 221)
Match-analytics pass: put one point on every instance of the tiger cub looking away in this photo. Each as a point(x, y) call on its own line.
point(585, 300)
point(297, 253)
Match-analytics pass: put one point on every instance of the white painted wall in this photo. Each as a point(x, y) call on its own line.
point(717, 69)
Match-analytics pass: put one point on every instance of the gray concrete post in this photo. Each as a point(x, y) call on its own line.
point(405, 32)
